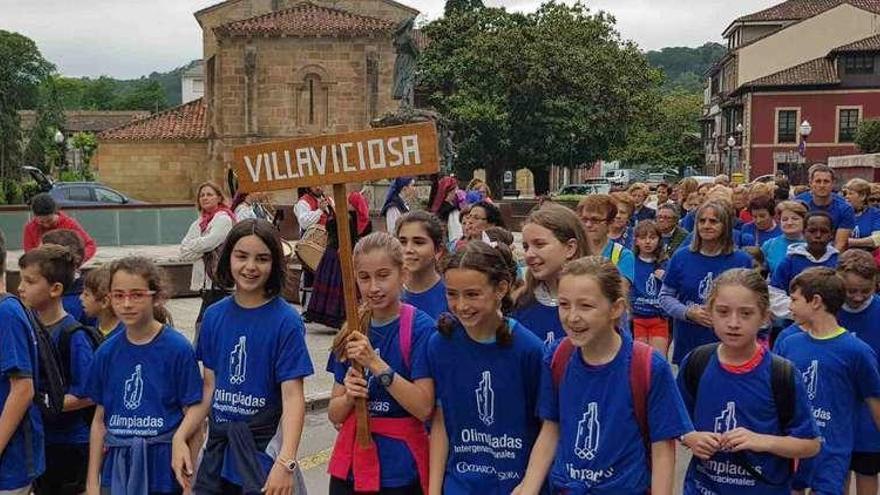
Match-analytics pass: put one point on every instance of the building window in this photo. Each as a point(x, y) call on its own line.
point(786, 126)
point(859, 63)
point(848, 124)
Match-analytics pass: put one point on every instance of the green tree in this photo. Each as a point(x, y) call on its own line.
point(461, 5)
point(22, 70)
point(558, 86)
point(868, 136)
point(147, 94)
point(668, 138)
point(683, 67)
point(99, 94)
point(42, 150)
point(71, 91)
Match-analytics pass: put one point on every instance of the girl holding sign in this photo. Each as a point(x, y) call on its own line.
point(396, 381)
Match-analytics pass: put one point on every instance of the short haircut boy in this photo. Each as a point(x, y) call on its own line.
point(43, 204)
point(603, 203)
point(819, 213)
point(823, 282)
point(857, 262)
point(55, 263)
point(69, 239)
point(762, 203)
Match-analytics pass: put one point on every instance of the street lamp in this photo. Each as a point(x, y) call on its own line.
point(805, 130)
point(59, 140)
point(731, 143)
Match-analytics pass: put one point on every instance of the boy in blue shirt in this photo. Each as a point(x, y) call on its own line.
point(859, 315)
point(839, 373)
point(45, 274)
point(20, 419)
point(816, 251)
point(71, 299)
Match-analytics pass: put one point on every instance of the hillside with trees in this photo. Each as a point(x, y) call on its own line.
point(683, 67)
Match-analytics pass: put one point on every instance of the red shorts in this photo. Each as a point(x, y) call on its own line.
point(646, 328)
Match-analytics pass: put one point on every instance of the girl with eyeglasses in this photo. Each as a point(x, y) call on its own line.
point(144, 381)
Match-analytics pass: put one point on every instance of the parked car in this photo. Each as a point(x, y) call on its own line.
point(584, 189)
point(68, 194)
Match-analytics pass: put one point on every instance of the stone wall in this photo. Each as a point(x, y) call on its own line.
point(154, 171)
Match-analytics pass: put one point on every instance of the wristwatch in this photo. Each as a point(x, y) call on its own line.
point(289, 464)
point(386, 377)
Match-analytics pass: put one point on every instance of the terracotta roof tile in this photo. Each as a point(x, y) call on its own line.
point(186, 122)
point(795, 10)
point(820, 71)
point(869, 44)
point(307, 19)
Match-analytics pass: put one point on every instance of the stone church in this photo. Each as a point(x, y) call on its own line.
point(274, 69)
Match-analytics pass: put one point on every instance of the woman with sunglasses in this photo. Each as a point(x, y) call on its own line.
point(866, 233)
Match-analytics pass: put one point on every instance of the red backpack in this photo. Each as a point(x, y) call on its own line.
point(639, 381)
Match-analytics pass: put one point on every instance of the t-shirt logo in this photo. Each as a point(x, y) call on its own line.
point(855, 233)
point(726, 421)
point(586, 445)
point(810, 378)
point(651, 285)
point(134, 389)
point(486, 399)
point(549, 339)
point(238, 362)
point(368, 375)
point(705, 287)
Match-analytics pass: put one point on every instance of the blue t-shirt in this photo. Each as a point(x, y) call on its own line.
point(727, 400)
point(626, 239)
point(120, 327)
point(18, 358)
point(752, 236)
point(867, 222)
point(776, 249)
point(432, 301)
point(689, 220)
point(600, 446)
point(143, 390)
point(488, 394)
point(644, 296)
point(798, 260)
point(625, 263)
point(691, 274)
point(251, 352)
point(842, 214)
point(71, 427)
point(643, 213)
point(787, 332)
point(864, 325)
point(542, 320)
point(398, 468)
point(839, 374)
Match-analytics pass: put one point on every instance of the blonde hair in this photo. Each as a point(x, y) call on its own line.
point(377, 241)
point(860, 187)
point(565, 226)
point(747, 278)
point(635, 186)
point(795, 207)
point(625, 200)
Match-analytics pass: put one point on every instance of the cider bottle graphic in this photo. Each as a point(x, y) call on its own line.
point(587, 441)
point(486, 399)
point(727, 420)
point(134, 389)
point(238, 362)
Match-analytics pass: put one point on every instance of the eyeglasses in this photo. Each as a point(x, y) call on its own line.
point(593, 220)
point(135, 296)
point(474, 217)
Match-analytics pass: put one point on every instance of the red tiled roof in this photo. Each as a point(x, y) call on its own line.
point(186, 121)
point(795, 10)
point(307, 19)
point(869, 44)
point(820, 71)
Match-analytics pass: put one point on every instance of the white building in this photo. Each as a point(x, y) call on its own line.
point(192, 82)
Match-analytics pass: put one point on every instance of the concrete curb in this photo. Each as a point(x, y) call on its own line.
point(317, 402)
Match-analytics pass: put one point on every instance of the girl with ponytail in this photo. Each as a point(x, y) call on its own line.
point(493, 358)
point(389, 346)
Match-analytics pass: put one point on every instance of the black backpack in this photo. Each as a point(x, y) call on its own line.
point(782, 386)
point(53, 363)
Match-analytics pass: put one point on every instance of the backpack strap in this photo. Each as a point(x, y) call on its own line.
point(407, 315)
point(782, 386)
point(560, 359)
point(640, 385)
point(64, 338)
point(616, 251)
point(697, 361)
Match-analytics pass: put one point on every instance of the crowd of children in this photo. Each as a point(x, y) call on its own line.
point(481, 368)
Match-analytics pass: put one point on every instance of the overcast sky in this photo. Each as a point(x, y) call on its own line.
point(131, 38)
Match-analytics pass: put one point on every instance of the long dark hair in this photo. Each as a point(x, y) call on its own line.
point(266, 233)
point(498, 266)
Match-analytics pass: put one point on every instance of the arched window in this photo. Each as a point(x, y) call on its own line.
point(312, 101)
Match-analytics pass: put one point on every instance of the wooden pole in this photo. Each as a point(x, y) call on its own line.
point(350, 292)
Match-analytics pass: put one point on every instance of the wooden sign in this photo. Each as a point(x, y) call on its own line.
point(359, 156)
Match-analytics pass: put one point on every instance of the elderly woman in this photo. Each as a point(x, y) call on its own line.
point(202, 242)
point(396, 205)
